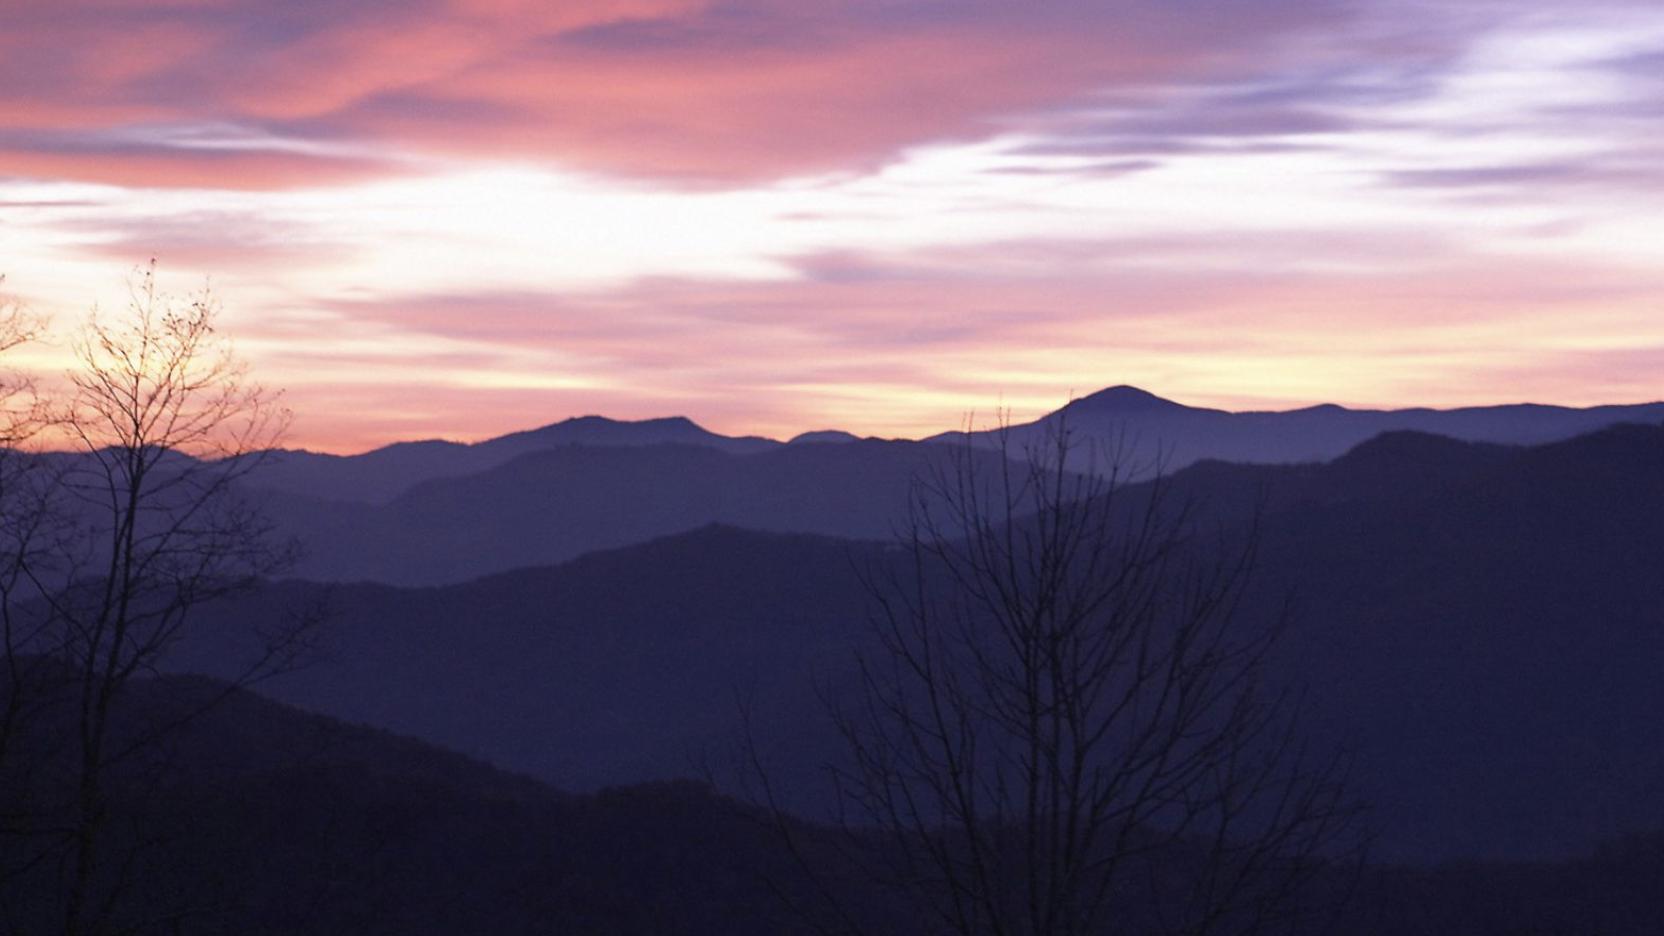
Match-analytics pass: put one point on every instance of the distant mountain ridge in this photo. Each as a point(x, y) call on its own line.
point(599, 430)
point(1145, 428)
point(435, 512)
point(380, 475)
point(1117, 416)
point(431, 513)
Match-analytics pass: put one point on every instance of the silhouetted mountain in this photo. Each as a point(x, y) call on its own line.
point(823, 436)
point(1122, 399)
point(439, 512)
point(1118, 416)
point(1483, 624)
point(381, 475)
point(598, 430)
point(551, 505)
point(1143, 427)
point(617, 667)
point(371, 477)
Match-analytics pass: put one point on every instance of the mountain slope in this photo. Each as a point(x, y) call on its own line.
point(616, 667)
point(553, 505)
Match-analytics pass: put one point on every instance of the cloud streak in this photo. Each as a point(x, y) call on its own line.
point(682, 91)
point(874, 214)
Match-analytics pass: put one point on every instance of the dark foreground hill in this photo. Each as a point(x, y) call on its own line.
point(1482, 625)
point(260, 820)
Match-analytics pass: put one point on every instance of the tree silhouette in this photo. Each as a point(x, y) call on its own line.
point(1064, 730)
point(139, 524)
point(25, 536)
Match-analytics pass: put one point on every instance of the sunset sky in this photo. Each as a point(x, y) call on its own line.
point(462, 217)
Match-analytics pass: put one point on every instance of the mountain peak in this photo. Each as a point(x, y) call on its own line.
point(1125, 399)
point(823, 436)
point(593, 421)
point(602, 430)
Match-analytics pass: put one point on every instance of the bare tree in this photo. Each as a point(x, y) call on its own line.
point(21, 494)
point(1065, 730)
point(149, 524)
point(28, 532)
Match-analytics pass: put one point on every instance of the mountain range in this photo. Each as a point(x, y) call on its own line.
point(382, 474)
point(427, 513)
point(1149, 429)
point(556, 504)
point(1182, 434)
point(1481, 624)
point(530, 644)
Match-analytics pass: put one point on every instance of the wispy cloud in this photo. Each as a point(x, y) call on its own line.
point(686, 91)
point(871, 213)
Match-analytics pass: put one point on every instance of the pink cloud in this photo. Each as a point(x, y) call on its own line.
point(156, 166)
point(222, 242)
point(661, 88)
